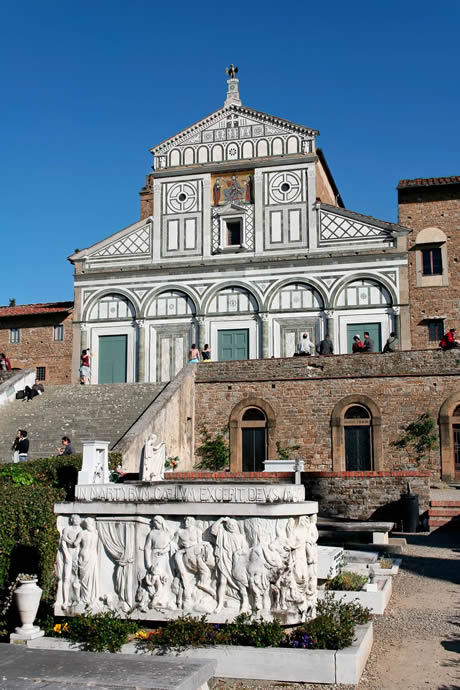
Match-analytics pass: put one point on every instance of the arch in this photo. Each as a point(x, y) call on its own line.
point(292, 145)
point(288, 281)
point(248, 149)
point(230, 284)
point(297, 296)
point(110, 291)
point(203, 154)
point(430, 236)
point(171, 303)
point(170, 288)
point(232, 152)
point(217, 153)
point(277, 147)
point(379, 281)
point(174, 157)
point(338, 431)
point(446, 436)
point(235, 421)
point(262, 148)
point(189, 156)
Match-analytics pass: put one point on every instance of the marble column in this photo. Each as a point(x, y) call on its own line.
point(83, 336)
point(330, 323)
point(265, 335)
point(201, 328)
point(397, 323)
point(140, 351)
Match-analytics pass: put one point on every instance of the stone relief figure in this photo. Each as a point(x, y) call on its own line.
point(231, 560)
point(158, 577)
point(87, 541)
point(154, 460)
point(118, 540)
point(311, 549)
point(193, 559)
point(301, 585)
point(67, 564)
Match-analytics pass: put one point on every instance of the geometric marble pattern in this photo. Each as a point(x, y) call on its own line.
point(337, 228)
point(136, 243)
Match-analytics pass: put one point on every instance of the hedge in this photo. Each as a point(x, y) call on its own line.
point(28, 533)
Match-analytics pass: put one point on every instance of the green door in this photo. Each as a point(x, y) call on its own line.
point(372, 328)
point(233, 345)
point(112, 358)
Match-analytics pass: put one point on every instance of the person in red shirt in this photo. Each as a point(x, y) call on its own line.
point(358, 344)
point(5, 363)
point(449, 341)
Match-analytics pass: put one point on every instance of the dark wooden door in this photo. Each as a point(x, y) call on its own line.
point(358, 448)
point(253, 449)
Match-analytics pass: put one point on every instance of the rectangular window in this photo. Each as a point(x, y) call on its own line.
point(15, 335)
point(435, 330)
point(432, 262)
point(59, 332)
point(41, 373)
point(233, 232)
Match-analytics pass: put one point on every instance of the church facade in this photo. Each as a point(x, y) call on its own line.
point(243, 244)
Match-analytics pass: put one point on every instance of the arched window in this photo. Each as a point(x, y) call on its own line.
point(251, 423)
point(431, 258)
point(356, 435)
point(449, 436)
point(358, 439)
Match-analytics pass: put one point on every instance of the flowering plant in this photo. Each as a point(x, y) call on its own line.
point(60, 628)
point(172, 462)
point(117, 474)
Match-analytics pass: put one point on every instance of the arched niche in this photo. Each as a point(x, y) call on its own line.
point(262, 148)
point(189, 156)
point(297, 296)
point(203, 154)
point(277, 147)
point(292, 145)
point(248, 150)
point(232, 300)
point(217, 153)
point(364, 292)
point(174, 157)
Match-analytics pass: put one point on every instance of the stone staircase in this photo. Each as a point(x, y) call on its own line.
point(101, 412)
point(444, 507)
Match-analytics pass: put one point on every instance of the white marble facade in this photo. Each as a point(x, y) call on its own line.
point(217, 550)
point(238, 241)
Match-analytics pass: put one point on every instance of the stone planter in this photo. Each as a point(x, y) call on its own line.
point(277, 664)
point(27, 597)
point(376, 601)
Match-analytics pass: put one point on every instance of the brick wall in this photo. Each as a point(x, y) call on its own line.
point(365, 495)
point(146, 195)
point(37, 347)
point(402, 385)
point(424, 207)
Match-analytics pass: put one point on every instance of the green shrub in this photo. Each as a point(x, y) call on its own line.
point(333, 627)
point(187, 631)
point(347, 582)
point(99, 632)
point(214, 452)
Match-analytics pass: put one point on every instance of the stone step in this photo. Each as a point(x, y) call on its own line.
point(444, 512)
point(103, 412)
point(440, 521)
point(441, 503)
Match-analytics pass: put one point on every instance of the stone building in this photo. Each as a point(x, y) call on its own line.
point(39, 336)
point(243, 243)
point(431, 207)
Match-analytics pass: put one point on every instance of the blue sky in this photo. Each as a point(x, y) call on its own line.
point(88, 87)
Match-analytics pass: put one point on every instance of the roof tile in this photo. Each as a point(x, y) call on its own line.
point(40, 308)
point(428, 181)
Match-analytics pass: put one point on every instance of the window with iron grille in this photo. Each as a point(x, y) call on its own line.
point(435, 330)
point(15, 335)
point(432, 262)
point(41, 373)
point(59, 332)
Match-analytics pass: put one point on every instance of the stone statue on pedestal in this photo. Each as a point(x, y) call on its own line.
point(154, 460)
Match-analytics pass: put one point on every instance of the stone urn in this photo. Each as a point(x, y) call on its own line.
point(27, 597)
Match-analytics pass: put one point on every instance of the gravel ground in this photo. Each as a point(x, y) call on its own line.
point(417, 641)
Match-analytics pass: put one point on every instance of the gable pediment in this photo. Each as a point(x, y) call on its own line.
point(131, 243)
point(232, 122)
